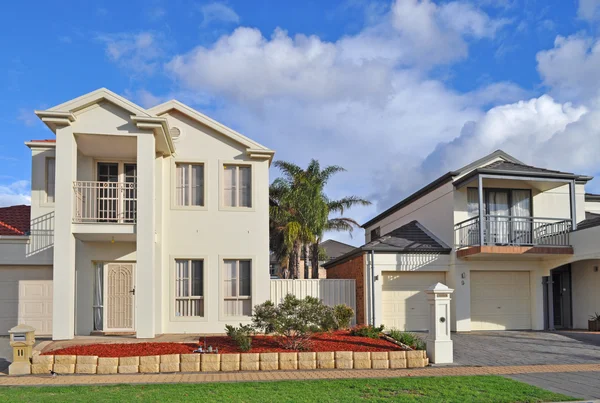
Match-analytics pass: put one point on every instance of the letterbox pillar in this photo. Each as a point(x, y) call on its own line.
point(439, 343)
point(22, 339)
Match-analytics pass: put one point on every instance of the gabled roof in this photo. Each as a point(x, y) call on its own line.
point(335, 248)
point(499, 163)
point(409, 238)
point(95, 97)
point(15, 220)
point(202, 118)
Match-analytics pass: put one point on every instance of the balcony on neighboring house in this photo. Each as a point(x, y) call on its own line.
point(499, 205)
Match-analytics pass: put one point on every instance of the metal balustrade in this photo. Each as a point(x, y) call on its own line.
point(513, 231)
point(105, 202)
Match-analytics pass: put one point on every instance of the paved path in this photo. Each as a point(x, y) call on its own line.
point(38, 380)
point(582, 385)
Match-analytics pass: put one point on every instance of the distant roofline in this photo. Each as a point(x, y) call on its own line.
point(593, 197)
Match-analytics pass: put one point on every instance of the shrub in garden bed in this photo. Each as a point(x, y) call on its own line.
point(241, 336)
point(410, 339)
point(369, 331)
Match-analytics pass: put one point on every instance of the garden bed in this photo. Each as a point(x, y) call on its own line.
point(321, 342)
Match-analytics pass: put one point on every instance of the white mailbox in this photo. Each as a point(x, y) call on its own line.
point(439, 343)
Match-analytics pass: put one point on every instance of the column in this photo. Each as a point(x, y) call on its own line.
point(439, 343)
point(145, 268)
point(63, 303)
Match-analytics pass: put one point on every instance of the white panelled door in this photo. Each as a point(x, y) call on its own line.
point(500, 300)
point(404, 302)
point(120, 294)
point(26, 297)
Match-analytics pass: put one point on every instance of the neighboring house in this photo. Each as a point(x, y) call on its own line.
point(331, 248)
point(143, 221)
point(515, 242)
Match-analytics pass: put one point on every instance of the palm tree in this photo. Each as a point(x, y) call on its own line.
point(300, 213)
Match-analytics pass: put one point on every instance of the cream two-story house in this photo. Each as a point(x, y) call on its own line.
point(142, 221)
point(520, 246)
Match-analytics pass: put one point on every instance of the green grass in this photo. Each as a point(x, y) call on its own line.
point(426, 389)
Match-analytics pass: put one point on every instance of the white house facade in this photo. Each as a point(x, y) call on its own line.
point(143, 221)
point(519, 245)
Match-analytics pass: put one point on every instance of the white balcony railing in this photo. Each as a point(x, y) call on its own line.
point(105, 202)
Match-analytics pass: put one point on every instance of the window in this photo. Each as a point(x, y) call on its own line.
point(237, 287)
point(50, 175)
point(189, 287)
point(237, 186)
point(190, 184)
point(375, 233)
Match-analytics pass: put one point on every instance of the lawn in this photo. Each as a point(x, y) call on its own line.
point(425, 389)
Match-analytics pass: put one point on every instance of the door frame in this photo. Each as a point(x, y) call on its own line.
point(105, 297)
point(566, 316)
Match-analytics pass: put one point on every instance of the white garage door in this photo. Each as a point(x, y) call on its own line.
point(404, 301)
point(26, 298)
point(500, 300)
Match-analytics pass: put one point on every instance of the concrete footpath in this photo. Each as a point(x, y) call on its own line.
point(201, 377)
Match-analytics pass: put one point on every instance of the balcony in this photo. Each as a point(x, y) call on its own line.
point(110, 206)
point(513, 235)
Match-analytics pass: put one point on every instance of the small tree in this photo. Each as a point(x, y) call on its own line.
point(293, 320)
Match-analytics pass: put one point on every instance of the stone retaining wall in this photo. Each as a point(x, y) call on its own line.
point(82, 364)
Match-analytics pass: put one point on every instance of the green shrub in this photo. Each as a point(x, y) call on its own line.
point(293, 320)
point(410, 339)
point(367, 331)
point(241, 335)
point(343, 315)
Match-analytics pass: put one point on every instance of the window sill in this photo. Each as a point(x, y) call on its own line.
point(189, 319)
point(237, 209)
point(190, 208)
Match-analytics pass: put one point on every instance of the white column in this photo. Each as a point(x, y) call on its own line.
point(145, 267)
point(439, 344)
point(63, 303)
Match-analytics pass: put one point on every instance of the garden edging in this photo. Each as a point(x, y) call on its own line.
point(81, 364)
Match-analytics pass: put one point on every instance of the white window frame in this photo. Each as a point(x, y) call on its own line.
point(46, 180)
point(173, 187)
point(237, 164)
point(173, 291)
point(222, 297)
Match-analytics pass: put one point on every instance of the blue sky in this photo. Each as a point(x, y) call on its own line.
point(397, 92)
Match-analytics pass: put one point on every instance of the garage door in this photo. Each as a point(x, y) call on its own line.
point(404, 301)
point(26, 297)
point(500, 300)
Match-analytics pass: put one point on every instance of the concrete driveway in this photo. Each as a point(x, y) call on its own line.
point(536, 348)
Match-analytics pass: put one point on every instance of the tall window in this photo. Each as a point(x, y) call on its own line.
point(237, 186)
point(190, 184)
point(50, 175)
point(237, 287)
point(189, 287)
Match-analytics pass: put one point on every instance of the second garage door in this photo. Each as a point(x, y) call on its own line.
point(26, 298)
point(500, 300)
point(404, 301)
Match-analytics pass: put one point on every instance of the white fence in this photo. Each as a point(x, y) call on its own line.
point(331, 292)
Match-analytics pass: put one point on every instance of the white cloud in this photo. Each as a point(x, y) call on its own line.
point(139, 53)
point(368, 103)
point(572, 67)
point(27, 117)
point(156, 13)
point(589, 10)
point(14, 193)
point(218, 13)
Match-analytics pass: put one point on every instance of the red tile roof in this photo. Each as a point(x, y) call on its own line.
point(15, 220)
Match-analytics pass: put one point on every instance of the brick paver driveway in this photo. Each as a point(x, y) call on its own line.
point(536, 348)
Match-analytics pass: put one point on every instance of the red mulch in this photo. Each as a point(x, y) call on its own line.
point(335, 341)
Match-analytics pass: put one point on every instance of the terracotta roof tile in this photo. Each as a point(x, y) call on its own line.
point(15, 220)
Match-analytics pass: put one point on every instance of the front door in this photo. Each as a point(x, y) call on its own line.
point(120, 292)
point(561, 297)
